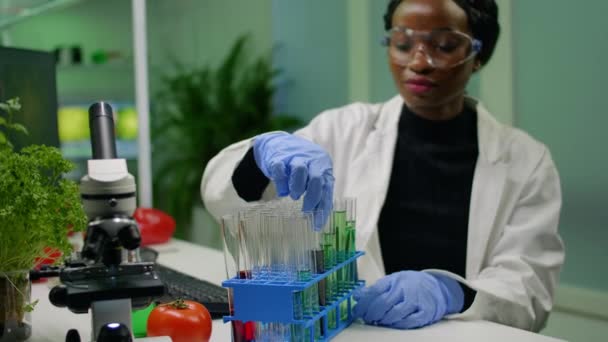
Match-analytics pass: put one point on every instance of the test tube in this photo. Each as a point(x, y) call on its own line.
point(265, 243)
point(281, 258)
point(248, 242)
point(271, 332)
point(339, 216)
point(252, 240)
point(231, 244)
point(351, 232)
point(269, 263)
point(297, 330)
point(349, 278)
point(311, 302)
point(312, 249)
point(329, 257)
point(319, 268)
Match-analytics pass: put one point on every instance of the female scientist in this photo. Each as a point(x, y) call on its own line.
point(457, 213)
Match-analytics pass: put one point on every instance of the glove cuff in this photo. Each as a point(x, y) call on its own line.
point(260, 150)
point(453, 293)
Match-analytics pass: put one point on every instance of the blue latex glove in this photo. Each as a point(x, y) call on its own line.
point(297, 166)
point(408, 300)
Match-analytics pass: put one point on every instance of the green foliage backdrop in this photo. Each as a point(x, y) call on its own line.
point(200, 111)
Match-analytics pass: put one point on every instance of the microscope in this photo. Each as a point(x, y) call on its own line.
point(108, 279)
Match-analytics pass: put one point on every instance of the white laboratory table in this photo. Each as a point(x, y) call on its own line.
point(50, 324)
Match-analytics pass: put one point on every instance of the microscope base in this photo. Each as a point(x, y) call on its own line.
point(116, 311)
point(110, 311)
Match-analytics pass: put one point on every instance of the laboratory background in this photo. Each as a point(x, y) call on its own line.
point(546, 77)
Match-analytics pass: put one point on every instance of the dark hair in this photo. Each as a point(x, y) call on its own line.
point(483, 20)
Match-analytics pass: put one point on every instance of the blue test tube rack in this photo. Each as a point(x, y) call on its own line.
point(271, 300)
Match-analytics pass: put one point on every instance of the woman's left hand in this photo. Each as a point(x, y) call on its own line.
point(408, 300)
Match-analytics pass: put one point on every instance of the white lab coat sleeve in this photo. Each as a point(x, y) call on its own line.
point(322, 131)
point(517, 285)
point(218, 192)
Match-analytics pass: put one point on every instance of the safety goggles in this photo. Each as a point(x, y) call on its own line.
point(443, 48)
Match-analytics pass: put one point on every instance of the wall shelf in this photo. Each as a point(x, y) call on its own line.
point(14, 11)
point(122, 66)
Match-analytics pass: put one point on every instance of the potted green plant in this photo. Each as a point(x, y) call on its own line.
point(37, 210)
point(200, 111)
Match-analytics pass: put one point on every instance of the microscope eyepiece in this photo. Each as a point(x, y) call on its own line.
point(101, 124)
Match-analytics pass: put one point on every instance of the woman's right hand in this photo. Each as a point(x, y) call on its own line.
point(297, 166)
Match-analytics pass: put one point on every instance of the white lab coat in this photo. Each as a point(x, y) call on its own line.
point(514, 252)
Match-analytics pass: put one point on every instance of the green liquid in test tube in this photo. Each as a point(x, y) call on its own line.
point(319, 269)
point(297, 333)
point(351, 278)
point(341, 241)
point(302, 309)
point(316, 260)
point(341, 247)
point(297, 262)
point(340, 224)
point(331, 283)
point(345, 229)
point(312, 240)
point(349, 271)
point(306, 276)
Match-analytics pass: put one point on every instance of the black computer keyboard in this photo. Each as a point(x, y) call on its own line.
point(181, 285)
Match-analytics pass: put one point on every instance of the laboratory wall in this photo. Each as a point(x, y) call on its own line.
point(94, 26)
point(311, 50)
point(560, 99)
point(190, 32)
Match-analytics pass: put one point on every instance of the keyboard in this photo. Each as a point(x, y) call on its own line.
point(184, 286)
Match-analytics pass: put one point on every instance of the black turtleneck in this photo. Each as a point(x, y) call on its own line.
point(424, 221)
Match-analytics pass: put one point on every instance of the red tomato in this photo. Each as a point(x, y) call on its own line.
point(155, 226)
point(182, 320)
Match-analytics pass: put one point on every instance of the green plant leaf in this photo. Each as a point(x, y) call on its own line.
point(2, 121)
point(14, 104)
point(19, 128)
point(200, 111)
point(37, 206)
point(30, 306)
point(5, 107)
point(3, 139)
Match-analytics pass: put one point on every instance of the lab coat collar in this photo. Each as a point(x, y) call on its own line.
point(487, 126)
point(488, 132)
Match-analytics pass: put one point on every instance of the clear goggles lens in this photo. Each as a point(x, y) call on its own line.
point(443, 49)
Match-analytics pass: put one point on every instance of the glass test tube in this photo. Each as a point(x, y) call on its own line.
point(319, 268)
point(231, 244)
point(351, 232)
point(267, 226)
point(311, 242)
point(339, 216)
point(271, 261)
point(349, 277)
point(302, 305)
point(328, 245)
point(248, 243)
